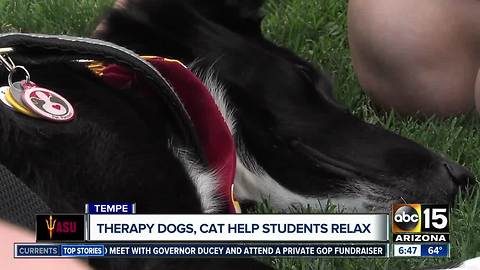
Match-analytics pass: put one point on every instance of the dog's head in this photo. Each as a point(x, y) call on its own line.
point(296, 143)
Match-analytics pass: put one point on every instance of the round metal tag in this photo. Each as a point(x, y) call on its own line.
point(3, 92)
point(18, 107)
point(48, 104)
point(17, 91)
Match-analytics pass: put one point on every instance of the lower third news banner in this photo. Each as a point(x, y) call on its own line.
point(134, 235)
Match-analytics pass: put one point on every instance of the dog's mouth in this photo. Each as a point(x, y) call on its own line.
point(369, 186)
point(458, 174)
point(358, 195)
point(324, 161)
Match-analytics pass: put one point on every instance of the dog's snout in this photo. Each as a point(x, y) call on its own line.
point(459, 174)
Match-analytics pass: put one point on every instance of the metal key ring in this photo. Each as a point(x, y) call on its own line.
point(27, 78)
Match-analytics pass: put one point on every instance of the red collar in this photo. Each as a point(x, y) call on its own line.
point(212, 130)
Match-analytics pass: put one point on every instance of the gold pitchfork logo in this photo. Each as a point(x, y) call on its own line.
point(51, 225)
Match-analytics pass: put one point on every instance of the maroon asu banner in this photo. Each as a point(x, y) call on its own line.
point(60, 227)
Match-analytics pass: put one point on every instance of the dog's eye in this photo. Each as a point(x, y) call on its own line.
point(320, 83)
point(306, 72)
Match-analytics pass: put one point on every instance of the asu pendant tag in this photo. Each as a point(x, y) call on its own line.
point(29, 99)
point(48, 104)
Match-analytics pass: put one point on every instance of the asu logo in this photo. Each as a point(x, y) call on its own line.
point(406, 218)
point(60, 227)
point(51, 226)
point(48, 104)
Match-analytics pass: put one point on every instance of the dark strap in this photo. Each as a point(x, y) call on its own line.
point(31, 48)
point(19, 204)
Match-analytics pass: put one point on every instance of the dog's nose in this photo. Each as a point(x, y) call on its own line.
point(459, 174)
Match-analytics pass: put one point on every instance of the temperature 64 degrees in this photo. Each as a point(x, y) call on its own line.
point(435, 250)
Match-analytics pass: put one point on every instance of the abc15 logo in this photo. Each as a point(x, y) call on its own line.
point(416, 218)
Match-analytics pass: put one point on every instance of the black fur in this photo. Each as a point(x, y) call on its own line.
point(117, 148)
point(113, 151)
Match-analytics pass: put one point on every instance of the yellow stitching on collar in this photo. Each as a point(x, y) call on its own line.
point(174, 61)
point(236, 204)
point(98, 67)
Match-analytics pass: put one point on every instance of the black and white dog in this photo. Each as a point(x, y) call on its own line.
point(295, 144)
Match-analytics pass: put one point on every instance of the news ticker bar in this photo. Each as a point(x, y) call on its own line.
point(199, 250)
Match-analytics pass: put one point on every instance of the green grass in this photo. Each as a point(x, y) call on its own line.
point(316, 30)
point(72, 17)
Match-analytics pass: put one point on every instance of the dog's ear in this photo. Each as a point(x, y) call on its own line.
point(103, 26)
point(241, 16)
